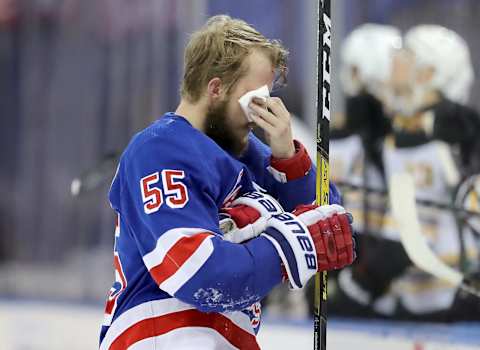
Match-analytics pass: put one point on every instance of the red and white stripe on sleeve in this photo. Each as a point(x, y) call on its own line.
point(178, 255)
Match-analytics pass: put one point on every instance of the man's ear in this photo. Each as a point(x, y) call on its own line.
point(215, 89)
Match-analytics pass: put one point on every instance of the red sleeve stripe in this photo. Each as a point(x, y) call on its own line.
point(178, 255)
point(182, 261)
point(157, 326)
point(165, 242)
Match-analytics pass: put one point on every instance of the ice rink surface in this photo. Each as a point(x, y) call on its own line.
point(28, 325)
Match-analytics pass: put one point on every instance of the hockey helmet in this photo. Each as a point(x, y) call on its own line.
point(367, 54)
point(448, 54)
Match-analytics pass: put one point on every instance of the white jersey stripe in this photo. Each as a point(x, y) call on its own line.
point(166, 241)
point(241, 320)
point(159, 308)
point(139, 313)
point(189, 268)
point(191, 338)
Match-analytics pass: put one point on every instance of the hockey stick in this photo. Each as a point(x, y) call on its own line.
point(402, 202)
point(323, 138)
point(468, 195)
point(95, 177)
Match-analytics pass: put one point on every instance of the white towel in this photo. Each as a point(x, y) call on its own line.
point(245, 100)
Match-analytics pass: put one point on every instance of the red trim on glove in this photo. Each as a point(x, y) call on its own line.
point(302, 208)
point(243, 215)
point(295, 167)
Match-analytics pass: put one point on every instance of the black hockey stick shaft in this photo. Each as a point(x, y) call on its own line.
point(96, 176)
point(323, 139)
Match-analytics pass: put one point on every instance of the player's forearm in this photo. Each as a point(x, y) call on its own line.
point(300, 191)
point(234, 277)
point(293, 180)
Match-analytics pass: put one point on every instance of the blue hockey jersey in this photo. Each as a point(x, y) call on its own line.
point(177, 282)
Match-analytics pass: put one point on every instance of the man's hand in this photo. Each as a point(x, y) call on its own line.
point(247, 216)
point(311, 239)
point(331, 230)
point(273, 117)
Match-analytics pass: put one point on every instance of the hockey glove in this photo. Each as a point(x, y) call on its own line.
point(312, 239)
point(247, 216)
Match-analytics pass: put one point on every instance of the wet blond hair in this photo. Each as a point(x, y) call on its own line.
point(219, 49)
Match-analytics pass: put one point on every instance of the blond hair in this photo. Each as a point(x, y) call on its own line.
point(219, 49)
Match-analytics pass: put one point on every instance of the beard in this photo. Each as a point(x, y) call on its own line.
point(219, 130)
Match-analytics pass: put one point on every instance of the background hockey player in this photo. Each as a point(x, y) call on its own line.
point(424, 133)
point(357, 144)
point(425, 114)
point(441, 82)
point(365, 76)
point(356, 152)
point(181, 283)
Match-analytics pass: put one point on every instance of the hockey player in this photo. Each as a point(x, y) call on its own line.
point(439, 90)
point(441, 82)
point(427, 102)
point(181, 283)
point(365, 75)
point(356, 147)
point(356, 151)
point(423, 131)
